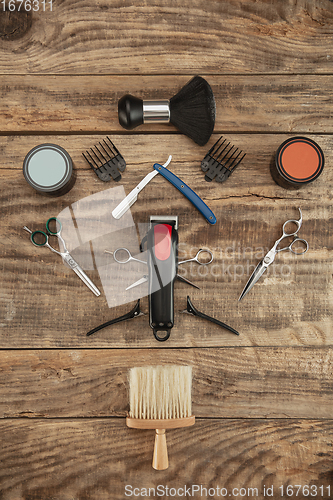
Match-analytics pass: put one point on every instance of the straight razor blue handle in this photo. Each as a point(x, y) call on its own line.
point(187, 192)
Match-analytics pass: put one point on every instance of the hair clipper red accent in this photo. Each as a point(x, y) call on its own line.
point(162, 244)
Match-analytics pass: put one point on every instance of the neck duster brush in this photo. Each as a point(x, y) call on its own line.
point(192, 111)
point(160, 399)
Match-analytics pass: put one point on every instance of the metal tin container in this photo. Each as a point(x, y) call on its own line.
point(48, 168)
point(297, 162)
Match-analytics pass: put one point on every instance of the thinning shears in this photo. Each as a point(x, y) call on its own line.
point(270, 256)
point(41, 239)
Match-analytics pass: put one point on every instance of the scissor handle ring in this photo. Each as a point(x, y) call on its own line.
point(122, 261)
point(32, 237)
point(302, 241)
point(298, 224)
point(48, 226)
point(203, 250)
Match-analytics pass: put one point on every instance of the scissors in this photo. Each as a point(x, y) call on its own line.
point(198, 260)
point(270, 256)
point(129, 257)
point(41, 239)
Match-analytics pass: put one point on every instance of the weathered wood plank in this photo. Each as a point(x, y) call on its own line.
point(38, 290)
point(80, 37)
point(249, 103)
point(56, 309)
point(97, 459)
point(97, 52)
point(228, 383)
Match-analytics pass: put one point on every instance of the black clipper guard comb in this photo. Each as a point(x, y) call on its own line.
point(106, 161)
point(221, 160)
point(162, 245)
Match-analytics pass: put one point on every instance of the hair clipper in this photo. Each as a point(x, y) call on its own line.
point(162, 245)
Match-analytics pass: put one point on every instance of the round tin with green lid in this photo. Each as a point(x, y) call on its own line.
point(48, 168)
point(297, 162)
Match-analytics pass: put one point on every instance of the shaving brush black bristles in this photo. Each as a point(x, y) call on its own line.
point(191, 110)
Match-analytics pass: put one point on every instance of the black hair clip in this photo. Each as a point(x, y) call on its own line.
point(193, 310)
point(132, 314)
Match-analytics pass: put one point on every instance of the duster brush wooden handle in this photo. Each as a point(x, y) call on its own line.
point(160, 457)
point(160, 399)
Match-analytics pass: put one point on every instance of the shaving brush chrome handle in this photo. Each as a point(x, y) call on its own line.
point(156, 111)
point(133, 112)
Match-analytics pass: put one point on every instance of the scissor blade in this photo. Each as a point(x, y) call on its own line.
point(185, 280)
point(139, 282)
point(86, 280)
point(255, 276)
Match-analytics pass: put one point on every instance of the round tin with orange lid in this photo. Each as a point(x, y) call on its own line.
point(297, 162)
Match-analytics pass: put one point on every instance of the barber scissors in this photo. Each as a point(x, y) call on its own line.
point(41, 239)
point(130, 257)
point(197, 258)
point(270, 256)
point(127, 257)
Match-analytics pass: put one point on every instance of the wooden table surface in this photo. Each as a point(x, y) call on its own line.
point(263, 400)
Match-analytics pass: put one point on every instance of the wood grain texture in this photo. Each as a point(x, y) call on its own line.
point(96, 459)
point(263, 400)
point(227, 383)
point(244, 103)
point(250, 209)
point(155, 37)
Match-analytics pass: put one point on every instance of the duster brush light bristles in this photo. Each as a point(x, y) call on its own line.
point(160, 398)
point(160, 392)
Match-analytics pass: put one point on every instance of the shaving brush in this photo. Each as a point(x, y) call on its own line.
point(191, 110)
